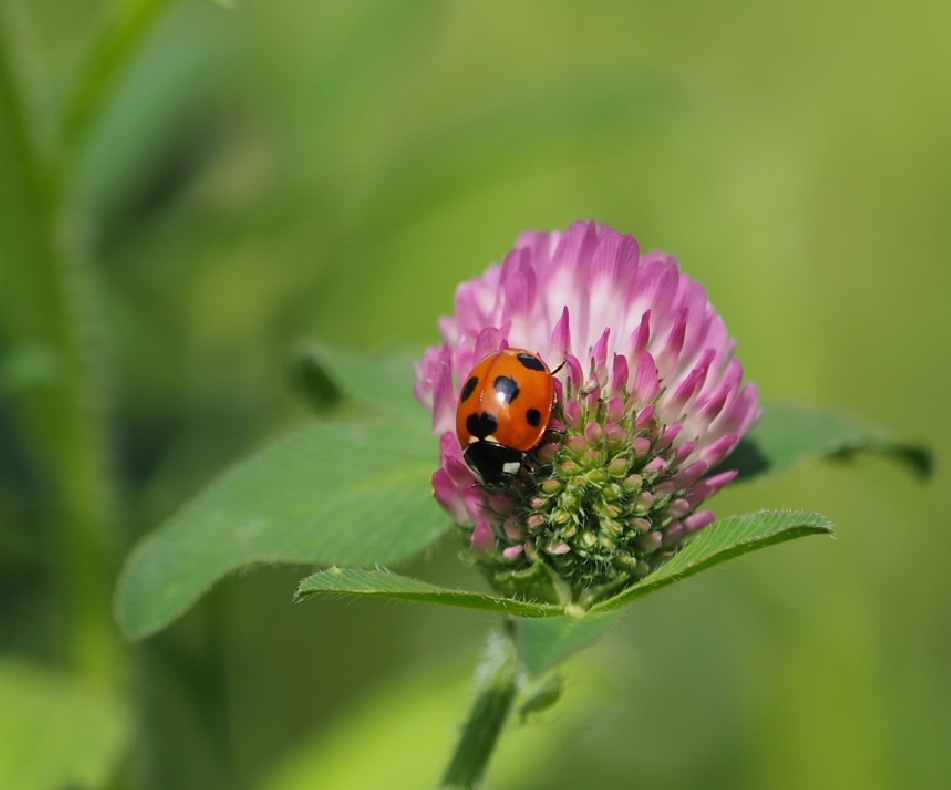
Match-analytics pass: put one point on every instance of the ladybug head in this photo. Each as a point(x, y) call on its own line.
point(493, 462)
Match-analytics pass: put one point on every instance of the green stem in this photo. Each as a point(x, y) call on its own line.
point(49, 304)
point(497, 689)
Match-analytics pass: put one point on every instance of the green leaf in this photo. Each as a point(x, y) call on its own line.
point(384, 584)
point(726, 538)
point(542, 697)
point(56, 731)
point(381, 384)
point(314, 383)
point(329, 493)
point(543, 644)
point(788, 434)
point(546, 643)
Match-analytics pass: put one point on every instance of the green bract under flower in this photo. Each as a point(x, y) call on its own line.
point(613, 489)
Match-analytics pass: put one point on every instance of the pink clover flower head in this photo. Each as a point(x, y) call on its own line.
point(649, 399)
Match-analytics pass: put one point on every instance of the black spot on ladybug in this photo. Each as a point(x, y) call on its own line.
point(534, 417)
point(481, 425)
point(506, 388)
point(530, 361)
point(467, 390)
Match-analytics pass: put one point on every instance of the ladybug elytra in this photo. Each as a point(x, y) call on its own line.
point(504, 409)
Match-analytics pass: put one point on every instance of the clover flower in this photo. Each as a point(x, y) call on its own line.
point(649, 400)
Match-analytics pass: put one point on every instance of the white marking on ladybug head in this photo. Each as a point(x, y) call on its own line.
point(511, 468)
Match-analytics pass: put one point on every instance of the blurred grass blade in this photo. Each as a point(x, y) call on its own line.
point(328, 493)
point(726, 538)
point(788, 434)
point(107, 65)
point(384, 584)
point(56, 731)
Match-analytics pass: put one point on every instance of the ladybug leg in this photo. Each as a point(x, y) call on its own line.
point(588, 387)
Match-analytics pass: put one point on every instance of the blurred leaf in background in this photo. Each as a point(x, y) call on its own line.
point(64, 734)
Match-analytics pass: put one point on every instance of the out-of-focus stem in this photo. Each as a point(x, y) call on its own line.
point(49, 305)
point(495, 695)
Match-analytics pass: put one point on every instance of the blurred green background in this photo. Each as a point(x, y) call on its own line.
point(248, 179)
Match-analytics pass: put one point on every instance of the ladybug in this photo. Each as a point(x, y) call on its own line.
point(504, 410)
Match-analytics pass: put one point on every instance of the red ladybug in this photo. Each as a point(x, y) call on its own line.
point(504, 410)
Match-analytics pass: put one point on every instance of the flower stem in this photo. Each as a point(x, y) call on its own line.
point(495, 695)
